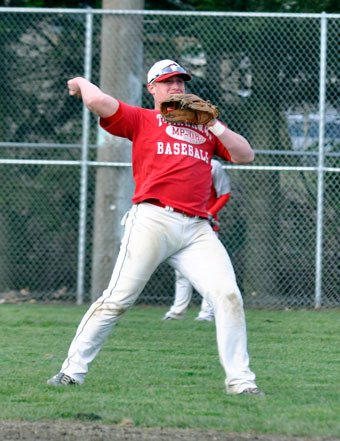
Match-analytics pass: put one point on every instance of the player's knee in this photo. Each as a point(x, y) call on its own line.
point(112, 308)
point(228, 297)
point(234, 298)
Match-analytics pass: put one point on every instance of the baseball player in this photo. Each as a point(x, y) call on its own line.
point(219, 196)
point(168, 221)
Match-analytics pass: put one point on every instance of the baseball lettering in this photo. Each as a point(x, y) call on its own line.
point(182, 149)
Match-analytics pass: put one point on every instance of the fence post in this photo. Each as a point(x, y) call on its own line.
point(320, 190)
point(84, 165)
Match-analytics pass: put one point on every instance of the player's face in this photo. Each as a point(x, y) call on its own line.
point(162, 89)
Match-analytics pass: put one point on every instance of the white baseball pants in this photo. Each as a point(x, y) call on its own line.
point(183, 295)
point(153, 235)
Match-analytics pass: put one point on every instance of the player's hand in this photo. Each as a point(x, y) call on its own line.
point(73, 87)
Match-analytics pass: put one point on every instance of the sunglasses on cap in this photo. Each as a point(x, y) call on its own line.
point(173, 68)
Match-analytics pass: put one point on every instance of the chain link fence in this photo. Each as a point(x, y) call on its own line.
point(64, 184)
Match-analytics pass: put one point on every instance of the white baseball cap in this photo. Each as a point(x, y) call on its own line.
point(164, 69)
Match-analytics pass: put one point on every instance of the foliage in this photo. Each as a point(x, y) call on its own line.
point(265, 5)
point(41, 95)
point(310, 6)
point(52, 3)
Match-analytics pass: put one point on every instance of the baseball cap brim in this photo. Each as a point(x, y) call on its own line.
point(185, 76)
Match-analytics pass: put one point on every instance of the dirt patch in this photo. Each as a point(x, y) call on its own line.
point(68, 431)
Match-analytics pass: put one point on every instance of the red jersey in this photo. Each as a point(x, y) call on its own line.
point(170, 162)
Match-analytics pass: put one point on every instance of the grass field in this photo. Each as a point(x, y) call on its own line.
point(167, 374)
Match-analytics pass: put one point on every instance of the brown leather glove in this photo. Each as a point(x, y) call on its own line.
point(188, 108)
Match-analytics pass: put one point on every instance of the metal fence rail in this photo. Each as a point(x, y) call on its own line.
point(65, 184)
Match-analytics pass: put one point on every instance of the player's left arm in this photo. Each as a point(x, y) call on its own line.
point(238, 147)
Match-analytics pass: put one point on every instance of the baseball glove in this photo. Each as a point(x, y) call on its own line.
point(188, 108)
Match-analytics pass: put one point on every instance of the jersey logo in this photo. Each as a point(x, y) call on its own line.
point(185, 134)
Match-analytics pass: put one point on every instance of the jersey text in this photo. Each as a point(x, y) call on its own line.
point(182, 148)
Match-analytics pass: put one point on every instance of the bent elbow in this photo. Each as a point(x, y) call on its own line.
point(246, 158)
point(93, 103)
point(102, 105)
point(251, 156)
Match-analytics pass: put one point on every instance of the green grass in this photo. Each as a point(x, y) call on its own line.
point(167, 374)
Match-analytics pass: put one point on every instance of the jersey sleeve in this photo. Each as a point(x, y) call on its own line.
point(124, 122)
point(221, 180)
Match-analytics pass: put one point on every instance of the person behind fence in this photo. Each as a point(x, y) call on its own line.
point(219, 196)
point(168, 221)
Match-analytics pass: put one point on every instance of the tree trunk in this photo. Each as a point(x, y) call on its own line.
point(121, 74)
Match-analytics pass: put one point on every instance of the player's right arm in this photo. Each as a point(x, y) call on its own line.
point(94, 99)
